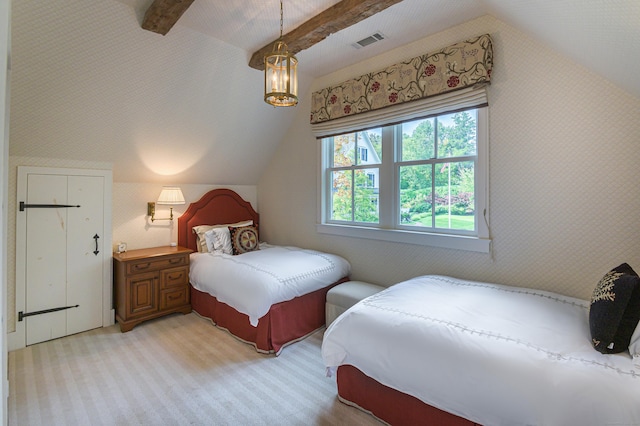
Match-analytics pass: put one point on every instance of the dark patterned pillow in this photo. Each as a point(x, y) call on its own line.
point(615, 310)
point(244, 239)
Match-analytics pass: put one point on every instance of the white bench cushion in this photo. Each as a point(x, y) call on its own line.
point(345, 295)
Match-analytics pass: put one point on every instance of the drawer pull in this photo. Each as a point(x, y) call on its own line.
point(176, 260)
point(142, 266)
point(174, 277)
point(175, 297)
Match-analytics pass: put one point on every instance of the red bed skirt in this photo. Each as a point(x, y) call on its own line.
point(285, 323)
point(390, 405)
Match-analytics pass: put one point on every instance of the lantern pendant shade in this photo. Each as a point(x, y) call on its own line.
point(280, 76)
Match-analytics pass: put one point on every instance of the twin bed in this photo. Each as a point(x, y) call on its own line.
point(439, 350)
point(268, 296)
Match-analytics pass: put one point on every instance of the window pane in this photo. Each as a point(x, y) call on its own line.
point(418, 140)
point(341, 185)
point(415, 195)
point(454, 202)
point(366, 196)
point(344, 150)
point(457, 134)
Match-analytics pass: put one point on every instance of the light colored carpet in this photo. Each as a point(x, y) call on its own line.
point(176, 370)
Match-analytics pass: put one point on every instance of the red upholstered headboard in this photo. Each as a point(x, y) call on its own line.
point(216, 207)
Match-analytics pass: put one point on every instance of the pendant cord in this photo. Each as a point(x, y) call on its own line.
point(281, 19)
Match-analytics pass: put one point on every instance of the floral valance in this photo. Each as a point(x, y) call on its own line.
point(461, 65)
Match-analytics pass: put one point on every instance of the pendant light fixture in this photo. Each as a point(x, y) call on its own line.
point(280, 74)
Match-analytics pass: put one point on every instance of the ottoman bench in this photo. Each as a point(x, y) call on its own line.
point(345, 295)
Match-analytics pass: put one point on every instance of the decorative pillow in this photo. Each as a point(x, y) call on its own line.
point(244, 239)
point(615, 310)
point(209, 238)
point(201, 230)
point(219, 240)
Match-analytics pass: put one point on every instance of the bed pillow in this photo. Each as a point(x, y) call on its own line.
point(244, 239)
point(201, 230)
point(615, 310)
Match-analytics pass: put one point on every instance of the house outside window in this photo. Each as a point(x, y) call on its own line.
point(422, 181)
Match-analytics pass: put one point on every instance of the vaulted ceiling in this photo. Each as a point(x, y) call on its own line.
point(595, 33)
point(88, 83)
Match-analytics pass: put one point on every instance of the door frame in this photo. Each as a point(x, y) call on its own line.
point(18, 339)
point(5, 79)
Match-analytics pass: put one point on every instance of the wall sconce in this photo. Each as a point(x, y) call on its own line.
point(170, 195)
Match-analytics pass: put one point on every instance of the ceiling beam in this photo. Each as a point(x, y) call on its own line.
point(338, 17)
point(162, 15)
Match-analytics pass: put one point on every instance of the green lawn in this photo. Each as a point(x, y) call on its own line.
point(442, 221)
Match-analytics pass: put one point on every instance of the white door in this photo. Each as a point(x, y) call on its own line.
point(64, 259)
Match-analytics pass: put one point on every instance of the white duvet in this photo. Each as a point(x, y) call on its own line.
point(496, 355)
point(252, 282)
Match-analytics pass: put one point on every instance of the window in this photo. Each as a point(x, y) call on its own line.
point(364, 154)
point(371, 180)
point(422, 181)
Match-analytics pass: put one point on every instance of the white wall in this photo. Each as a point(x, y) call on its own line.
point(564, 155)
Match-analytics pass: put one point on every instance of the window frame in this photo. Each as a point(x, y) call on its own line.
point(389, 228)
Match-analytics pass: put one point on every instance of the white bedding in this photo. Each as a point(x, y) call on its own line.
point(496, 355)
point(252, 282)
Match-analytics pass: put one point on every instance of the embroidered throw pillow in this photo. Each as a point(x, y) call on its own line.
point(218, 240)
point(615, 310)
point(244, 239)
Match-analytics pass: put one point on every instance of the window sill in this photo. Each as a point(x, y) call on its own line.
point(456, 242)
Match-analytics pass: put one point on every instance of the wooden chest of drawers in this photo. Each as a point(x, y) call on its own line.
point(150, 283)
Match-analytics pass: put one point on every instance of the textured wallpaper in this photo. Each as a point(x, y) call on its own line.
point(564, 150)
point(88, 82)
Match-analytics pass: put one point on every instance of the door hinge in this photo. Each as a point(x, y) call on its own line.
point(24, 205)
point(22, 315)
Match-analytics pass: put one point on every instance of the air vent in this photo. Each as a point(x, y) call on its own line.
point(369, 40)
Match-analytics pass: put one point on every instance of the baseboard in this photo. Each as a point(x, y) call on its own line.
point(15, 341)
